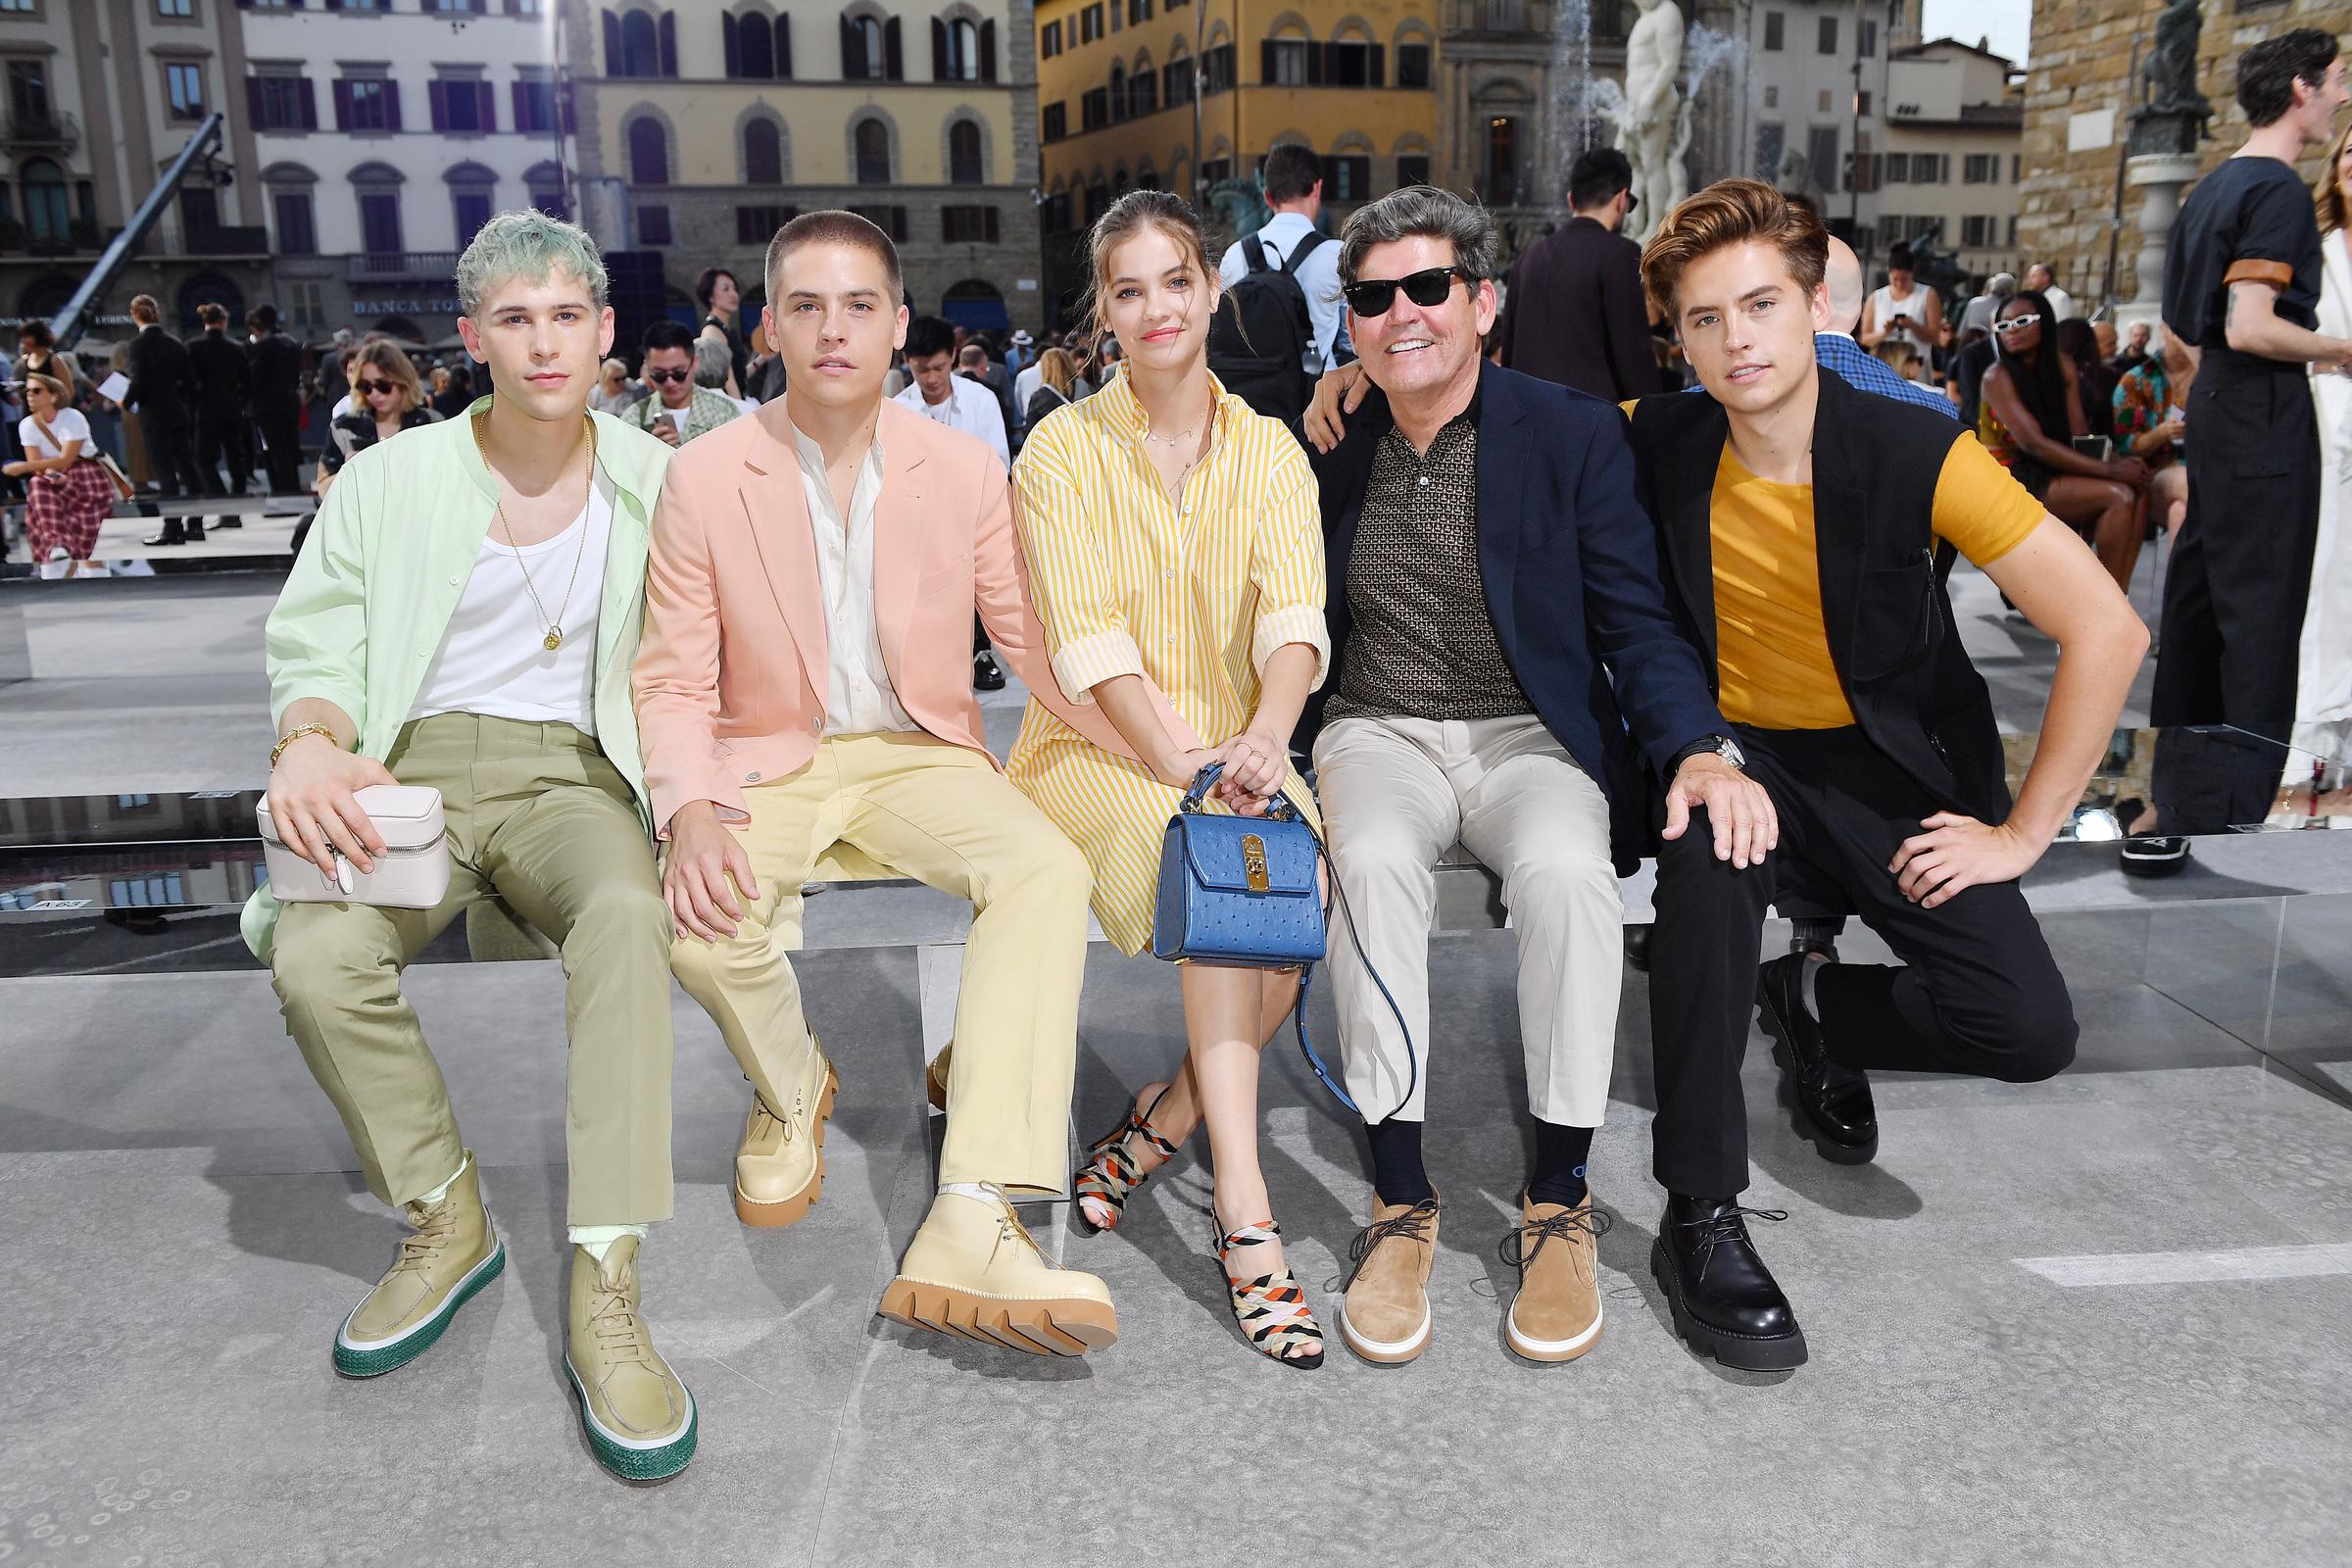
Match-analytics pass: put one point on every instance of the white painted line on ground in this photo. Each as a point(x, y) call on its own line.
point(2195, 1268)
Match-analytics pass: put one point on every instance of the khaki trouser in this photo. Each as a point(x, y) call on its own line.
point(944, 815)
point(538, 818)
point(1397, 794)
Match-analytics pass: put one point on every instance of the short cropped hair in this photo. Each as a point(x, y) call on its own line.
point(1291, 172)
point(832, 228)
point(927, 335)
point(1900, 260)
point(666, 334)
point(2267, 73)
point(1426, 211)
point(262, 318)
point(144, 310)
point(1599, 174)
point(213, 314)
point(1728, 212)
point(528, 244)
point(713, 364)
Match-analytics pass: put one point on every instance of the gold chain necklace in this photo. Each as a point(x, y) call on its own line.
point(497, 515)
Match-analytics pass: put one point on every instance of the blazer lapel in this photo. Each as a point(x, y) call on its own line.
point(777, 512)
point(1840, 517)
point(1503, 448)
point(898, 539)
point(1685, 496)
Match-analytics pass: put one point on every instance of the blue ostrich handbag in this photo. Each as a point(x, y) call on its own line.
point(1241, 890)
point(1238, 890)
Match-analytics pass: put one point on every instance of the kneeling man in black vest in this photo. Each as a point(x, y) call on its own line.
point(1798, 522)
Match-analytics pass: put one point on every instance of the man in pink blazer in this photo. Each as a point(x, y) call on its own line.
point(804, 682)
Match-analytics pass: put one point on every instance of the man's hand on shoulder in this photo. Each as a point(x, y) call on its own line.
point(1339, 392)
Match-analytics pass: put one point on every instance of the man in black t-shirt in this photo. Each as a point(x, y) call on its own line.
point(2241, 289)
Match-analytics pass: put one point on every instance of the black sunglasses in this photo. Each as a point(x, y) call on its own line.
point(1372, 296)
point(657, 377)
point(366, 387)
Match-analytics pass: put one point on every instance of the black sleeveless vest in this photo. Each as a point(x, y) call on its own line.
point(1892, 636)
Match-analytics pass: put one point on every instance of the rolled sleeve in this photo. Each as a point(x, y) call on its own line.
point(1086, 637)
point(315, 639)
point(1287, 568)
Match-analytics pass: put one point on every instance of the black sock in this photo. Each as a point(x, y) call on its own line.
point(1559, 1173)
point(1397, 1173)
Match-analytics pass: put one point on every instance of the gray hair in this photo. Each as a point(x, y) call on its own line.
point(2002, 285)
point(529, 245)
point(1428, 210)
point(713, 364)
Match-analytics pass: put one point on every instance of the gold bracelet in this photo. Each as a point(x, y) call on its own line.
point(295, 734)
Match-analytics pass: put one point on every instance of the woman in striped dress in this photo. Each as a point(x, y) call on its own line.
point(1176, 552)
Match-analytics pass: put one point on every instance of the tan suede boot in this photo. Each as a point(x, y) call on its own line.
point(780, 1164)
point(454, 1253)
point(1557, 1314)
point(1385, 1317)
point(972, 1270)
point(640, 1419)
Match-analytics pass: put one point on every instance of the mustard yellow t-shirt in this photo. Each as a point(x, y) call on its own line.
point(1771, 653)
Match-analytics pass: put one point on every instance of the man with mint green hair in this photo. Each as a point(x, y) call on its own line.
point(464, 617)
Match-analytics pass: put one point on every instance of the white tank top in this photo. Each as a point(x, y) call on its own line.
point(1885, 306)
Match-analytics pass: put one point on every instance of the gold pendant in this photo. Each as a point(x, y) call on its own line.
point(555, 638)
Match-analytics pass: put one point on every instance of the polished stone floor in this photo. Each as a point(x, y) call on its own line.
point(2100, 1320)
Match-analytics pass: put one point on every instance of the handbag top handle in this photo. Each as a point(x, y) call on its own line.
point(1281, 809)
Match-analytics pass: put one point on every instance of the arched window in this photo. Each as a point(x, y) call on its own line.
point(649, 152)
point(874, 153)
point(639, 47)
point(754, 46)
point(763, 154)
point(963, 50)
point(964, 153)
point(864, 49)
point(48, 218)
point(1119, 92)
point(1143, 92)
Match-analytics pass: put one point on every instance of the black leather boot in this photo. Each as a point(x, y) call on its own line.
point(1834, 1104)
point(1725, 1302)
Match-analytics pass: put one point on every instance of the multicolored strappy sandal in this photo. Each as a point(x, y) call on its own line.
point(1110, 1173)
point(1271, 1309)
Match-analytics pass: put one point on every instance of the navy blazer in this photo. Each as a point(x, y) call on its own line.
point(1569, 560)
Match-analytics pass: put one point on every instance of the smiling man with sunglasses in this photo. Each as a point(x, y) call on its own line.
point(1489, 562)
point(678, 410)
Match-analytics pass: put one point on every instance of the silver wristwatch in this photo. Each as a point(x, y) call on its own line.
point(1722, 746)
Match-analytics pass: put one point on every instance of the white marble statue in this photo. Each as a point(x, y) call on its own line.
point(1654, 125)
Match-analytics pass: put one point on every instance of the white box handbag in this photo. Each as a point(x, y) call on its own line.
point(412, 872)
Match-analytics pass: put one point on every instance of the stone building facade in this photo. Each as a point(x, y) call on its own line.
point(701, 128)
point(2079, 93)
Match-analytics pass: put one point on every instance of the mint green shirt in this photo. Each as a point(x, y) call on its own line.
point(371, 596)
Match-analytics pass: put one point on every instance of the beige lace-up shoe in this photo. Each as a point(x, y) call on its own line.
point(780, 1164)
point(973, 1270)
point(451, 1255)
point(1385, 1317)
point(640, 1419)
point(1557, 1314)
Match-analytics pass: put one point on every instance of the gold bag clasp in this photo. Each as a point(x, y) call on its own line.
point(1253, 862)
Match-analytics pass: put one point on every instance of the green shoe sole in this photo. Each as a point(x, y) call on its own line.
point(629, 1462)
point(374, 1362)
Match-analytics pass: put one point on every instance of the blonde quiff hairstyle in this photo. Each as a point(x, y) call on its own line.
point(1120, 222)
point(1728, 212)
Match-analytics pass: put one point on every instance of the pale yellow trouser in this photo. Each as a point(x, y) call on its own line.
point(538, 818)
point(941, 815)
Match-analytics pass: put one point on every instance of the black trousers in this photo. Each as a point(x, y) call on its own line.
point(171, 456)
point(1977, 994)
point(282, 441)
point(2234, 596)
point(225, 437)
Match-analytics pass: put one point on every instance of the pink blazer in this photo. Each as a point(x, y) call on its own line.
point(731, 670)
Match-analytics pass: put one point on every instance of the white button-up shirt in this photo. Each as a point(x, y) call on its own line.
point(970, 408)
point(859, 697)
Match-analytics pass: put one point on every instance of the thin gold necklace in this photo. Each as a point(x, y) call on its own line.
point(497, 515)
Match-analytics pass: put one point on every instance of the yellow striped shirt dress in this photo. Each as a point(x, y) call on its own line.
point(1193, 597)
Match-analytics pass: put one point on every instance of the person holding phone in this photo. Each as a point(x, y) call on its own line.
point(679, 409)
point(2032, 413)
point(1904, 311)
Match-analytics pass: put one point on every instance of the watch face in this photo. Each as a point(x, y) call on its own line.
point(1730, 753)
